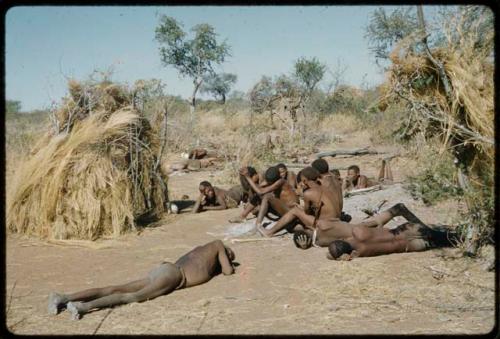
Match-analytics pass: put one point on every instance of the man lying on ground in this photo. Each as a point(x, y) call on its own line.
point(278, 196)
point(213, 198)
point(329, 232)
point(408, 237)
point(194, 268)
point(289, 176)
point(355, 180)
point(253, 199)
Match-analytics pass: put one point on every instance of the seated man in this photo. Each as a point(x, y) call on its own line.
point(289, 176)
point(253, 198)
point(214, 198)
point(329, 180)
point(354, 180)
point(408, 237)
point(277, 197)
point(321, 208)
point(194, 268)
point(322, 237)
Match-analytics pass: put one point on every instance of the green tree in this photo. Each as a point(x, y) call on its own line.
point(193, 58)
point(385, 30)
point(309, 73)
point(12, 106)
point(218, 84)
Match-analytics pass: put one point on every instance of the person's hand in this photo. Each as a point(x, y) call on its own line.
point(244, 171)
point(302, 241)
point(345, 257)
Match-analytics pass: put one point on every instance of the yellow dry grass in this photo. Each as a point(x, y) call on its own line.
point(93, 180)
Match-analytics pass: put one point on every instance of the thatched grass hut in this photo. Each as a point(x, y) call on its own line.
point(94, 173)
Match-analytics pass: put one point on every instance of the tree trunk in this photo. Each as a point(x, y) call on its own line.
point(192, 105)
point(223, 100)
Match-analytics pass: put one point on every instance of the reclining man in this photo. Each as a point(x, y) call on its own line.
point(325, 236)
point(355, 180)
point(408, 237)
point(278, 197)
point(214, 198)
point(194, 268)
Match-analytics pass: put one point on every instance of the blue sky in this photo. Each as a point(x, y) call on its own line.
point(46, 45)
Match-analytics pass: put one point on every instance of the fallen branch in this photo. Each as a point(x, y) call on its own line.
point(236, 240)
point(362, 191)
point(352, 152)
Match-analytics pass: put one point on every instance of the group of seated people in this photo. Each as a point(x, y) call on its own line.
point(319, 222)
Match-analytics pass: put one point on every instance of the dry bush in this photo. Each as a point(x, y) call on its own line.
point(94, 174)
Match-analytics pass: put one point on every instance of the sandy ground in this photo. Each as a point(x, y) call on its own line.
point(277, 289)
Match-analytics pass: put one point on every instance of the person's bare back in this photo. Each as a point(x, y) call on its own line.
point(194, 268)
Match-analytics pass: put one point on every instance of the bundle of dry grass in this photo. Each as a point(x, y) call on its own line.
point(94, 174)
point(460, 106)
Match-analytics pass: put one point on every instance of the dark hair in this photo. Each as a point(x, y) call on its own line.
point(243, 181)
point(272, 175)
point(296, 235)
point(299, 176)
point(335, 171)
point(320, 165)
point(310, 173)
point(205, 184)
point(281, 165)
point(339, 247)
point(353, 167)
point(251, 171)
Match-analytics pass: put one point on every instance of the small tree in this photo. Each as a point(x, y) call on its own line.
point(385, 30)
point(194, 58)
point(218, 85)
point(12, 106)
point(309, 73)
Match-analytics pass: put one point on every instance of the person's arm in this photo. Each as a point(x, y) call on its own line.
point(197, 206)
point(263, 190)
point(292, 179)
point(225, 264)
point(362, 182)
point(264, 207)
point(346, 185)
point(221, 202)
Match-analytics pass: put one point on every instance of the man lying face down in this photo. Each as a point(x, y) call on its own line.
point(194, 268)
point(412, 236)
point(408, 237)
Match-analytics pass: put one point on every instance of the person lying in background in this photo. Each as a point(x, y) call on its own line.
point(354, 180)
point(194, 268)
point(213, 198)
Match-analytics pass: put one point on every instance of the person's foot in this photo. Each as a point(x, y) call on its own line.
point(74, 310)
point(55, 302)
point(236, 220)
point(263, 231)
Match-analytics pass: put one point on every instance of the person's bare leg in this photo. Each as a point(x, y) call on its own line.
point(388, 171)
point(384, 217)
point(246, 211)
point(59, 300)
point(264, 207)
point(161, 285)
point(291, 215)
point(381, 173)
